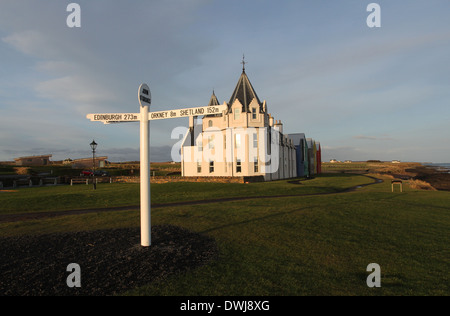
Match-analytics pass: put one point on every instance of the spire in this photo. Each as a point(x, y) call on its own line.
point(244, 91)
point(243, 63)
point(213, 100)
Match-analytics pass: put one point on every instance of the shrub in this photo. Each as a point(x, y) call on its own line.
point(420, 185)
point(21, 170)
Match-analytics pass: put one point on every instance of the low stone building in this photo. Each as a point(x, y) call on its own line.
point(42, 160)
point(100, 162)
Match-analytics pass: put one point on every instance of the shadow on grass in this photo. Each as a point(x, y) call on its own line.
point(257, 219)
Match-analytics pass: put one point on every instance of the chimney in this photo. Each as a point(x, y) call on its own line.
point(192, 120)
point(279, 126)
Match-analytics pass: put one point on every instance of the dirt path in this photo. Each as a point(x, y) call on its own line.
point(41, 215)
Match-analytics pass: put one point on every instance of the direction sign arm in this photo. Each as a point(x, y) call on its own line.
point(107, 118)
point(202, 110)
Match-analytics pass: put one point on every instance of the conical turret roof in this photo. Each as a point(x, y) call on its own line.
point(213, 100)
point(244, 92)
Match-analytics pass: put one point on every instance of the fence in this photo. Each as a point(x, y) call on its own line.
point(29, 182)
point(89, 180)
point(15, 181)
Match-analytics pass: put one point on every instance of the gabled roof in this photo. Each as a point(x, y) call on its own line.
point(296, 138)
point(244, 92)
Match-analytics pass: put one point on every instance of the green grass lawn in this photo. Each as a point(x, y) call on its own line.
point(300, 245)
point(320, 245)
point(81, 196)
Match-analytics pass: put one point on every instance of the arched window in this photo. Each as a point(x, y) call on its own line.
point(210, 123)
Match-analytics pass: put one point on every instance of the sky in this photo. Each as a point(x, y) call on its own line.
point(363, 93)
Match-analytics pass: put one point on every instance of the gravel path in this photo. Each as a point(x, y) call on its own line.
point(111, 261)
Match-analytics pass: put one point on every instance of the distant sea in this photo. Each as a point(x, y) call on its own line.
point(444, 167)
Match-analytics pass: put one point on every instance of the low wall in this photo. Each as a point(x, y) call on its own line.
point(14, 181)
point(167, 179)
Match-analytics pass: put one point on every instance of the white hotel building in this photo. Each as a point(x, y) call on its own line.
point(242, 141)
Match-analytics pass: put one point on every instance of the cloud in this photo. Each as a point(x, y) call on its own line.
point(325, 79)
point(30, 42)
point(78, 89)
point(96, 68)
point(377, 138)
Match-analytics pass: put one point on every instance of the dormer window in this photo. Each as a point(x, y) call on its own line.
point(254, 113)
point(237, 114)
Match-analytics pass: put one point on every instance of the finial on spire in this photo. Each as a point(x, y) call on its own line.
point(243, 62)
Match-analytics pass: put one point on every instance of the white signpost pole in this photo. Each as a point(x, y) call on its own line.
point(144, 117)
point(145, 101)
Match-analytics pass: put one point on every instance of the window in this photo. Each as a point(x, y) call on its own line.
point(255, 140)
point(237, 140)
point(211, 142)
point(254, 113)
point(199, 167)
point(237, 114)
point(200, 145)
point(211, 166)
point(224, 141)
point(238, 166)
point(255, 168)
point(210, 123)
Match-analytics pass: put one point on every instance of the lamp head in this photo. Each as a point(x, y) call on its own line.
point(93, 145)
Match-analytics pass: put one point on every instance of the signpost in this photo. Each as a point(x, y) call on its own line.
point(108, 118)
point(145, 101)
point(204, 110)
point(144, 117)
